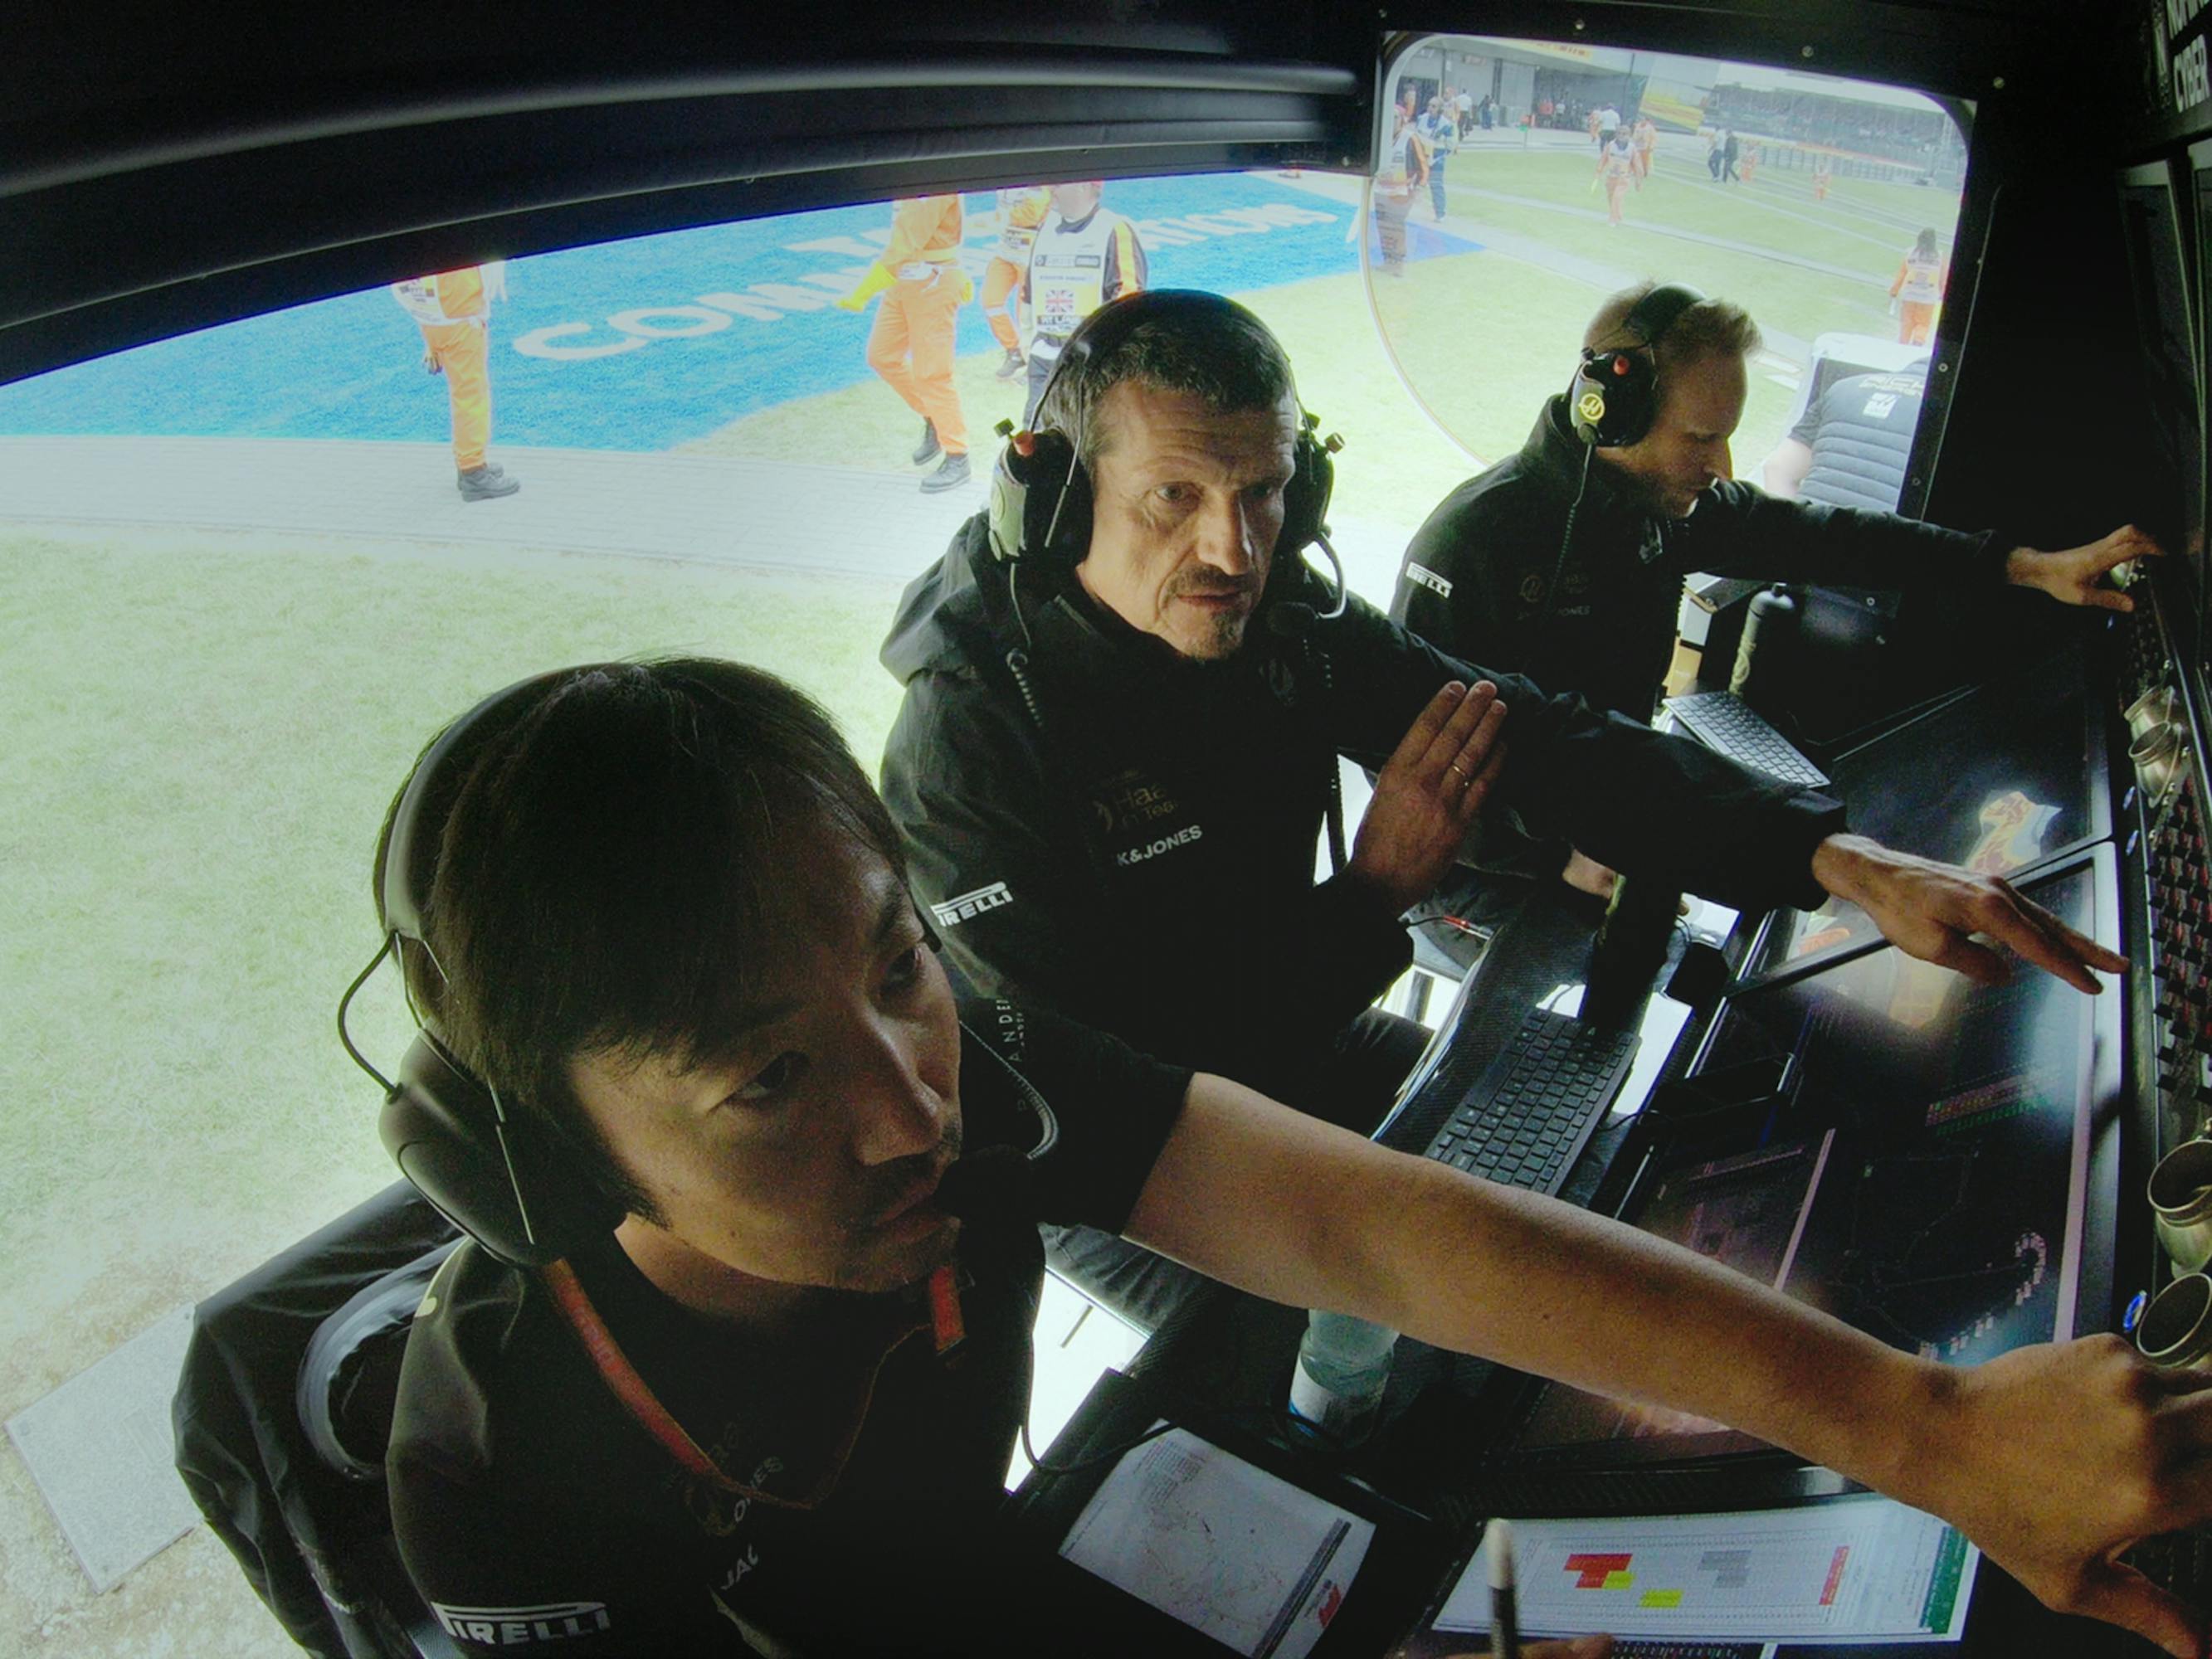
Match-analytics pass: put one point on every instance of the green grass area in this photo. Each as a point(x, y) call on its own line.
point(1396, 465)
point(1466, 331)
point(202, 742)
point(1483, 337)
point(1768, 237)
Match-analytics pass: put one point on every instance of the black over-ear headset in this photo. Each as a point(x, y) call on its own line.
point(1615, 395)
point(503, 1184)
point(1041, 491)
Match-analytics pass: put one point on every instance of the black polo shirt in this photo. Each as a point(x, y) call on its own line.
point(537, 1516)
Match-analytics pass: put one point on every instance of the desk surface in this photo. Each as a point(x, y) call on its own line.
point(1230, 1355)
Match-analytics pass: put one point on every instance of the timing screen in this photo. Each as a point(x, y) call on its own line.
point(1919, 1174)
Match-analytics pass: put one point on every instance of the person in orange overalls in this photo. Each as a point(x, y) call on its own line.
point(1822, 168)
point(1021, 210)
point(1918, 290)
point(1750, 162)
point(1642, 137)
point(453, 311)
point(919, 277)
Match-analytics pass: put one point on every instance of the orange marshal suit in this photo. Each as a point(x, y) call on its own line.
point(911, 344)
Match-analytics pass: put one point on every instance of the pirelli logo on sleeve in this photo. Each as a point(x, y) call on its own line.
point(517, 1628)
point(1429, 579)
point(954, 911)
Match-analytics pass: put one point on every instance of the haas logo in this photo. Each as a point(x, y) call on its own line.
point(1591, 407)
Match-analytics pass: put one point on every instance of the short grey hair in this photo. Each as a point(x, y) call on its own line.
point(1219, 353)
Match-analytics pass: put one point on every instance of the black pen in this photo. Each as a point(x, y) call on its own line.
point(1504, 1617)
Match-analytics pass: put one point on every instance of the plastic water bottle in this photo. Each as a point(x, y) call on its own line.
point(1343, 1364)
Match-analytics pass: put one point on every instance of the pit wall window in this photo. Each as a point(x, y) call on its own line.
point(1523, 181)
point(245, 584)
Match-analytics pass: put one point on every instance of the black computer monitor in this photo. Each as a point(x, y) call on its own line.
point(2199, 557)
point(2002, 779)
point(1895, 1145)
point(2168, 332)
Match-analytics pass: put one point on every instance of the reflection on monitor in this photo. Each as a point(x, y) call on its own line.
point(2001, 780)
point(1921, 1176)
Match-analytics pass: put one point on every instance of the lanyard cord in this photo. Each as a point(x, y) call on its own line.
point(644, 1407)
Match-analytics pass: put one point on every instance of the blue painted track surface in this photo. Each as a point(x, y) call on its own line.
point(674, 368)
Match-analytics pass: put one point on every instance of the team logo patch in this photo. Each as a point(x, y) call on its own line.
point(954, 911)
point(1428, 579)
point(1591, 407)
point(1130, 801)
point(514, 1628)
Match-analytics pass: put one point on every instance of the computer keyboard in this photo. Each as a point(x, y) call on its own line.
point(1530, 1114)
point(1723, 722)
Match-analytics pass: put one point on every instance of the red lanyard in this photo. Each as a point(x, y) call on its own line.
point(644, 1407)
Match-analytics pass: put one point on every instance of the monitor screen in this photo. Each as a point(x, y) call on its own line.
point(2200, 561)
point(2164, 316)
point(1912, 1159)
point(2001, 780)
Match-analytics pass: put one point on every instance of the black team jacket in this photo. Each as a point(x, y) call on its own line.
point(1477, 579)
point(1130, 838)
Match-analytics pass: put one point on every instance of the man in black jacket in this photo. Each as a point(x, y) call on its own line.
point(1121, 732)
point(737, 1354)
point(1491, 576)
point(1566, 562)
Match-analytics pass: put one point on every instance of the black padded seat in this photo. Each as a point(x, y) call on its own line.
point(281, 1416)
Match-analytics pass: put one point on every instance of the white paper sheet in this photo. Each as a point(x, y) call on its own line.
point(1850, 1570)
point(1229, 1549)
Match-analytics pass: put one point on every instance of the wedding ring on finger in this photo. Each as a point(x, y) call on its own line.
point(1460, 772)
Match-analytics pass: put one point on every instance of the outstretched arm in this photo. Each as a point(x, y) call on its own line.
point(2070, 575)
point(2053, 1459)
point(1937, 911)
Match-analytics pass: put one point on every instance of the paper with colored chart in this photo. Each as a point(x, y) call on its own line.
point(1855, 1568)
point(1256, 1563)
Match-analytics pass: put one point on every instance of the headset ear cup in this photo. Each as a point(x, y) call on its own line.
point(1056, 515)
point(1305, 498)
point(1613, 397)
point(442, 1127)
point(1007, 514)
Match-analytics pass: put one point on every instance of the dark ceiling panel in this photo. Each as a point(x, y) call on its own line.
point(159, 172)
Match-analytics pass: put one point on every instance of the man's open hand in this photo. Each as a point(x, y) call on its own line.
point(2071, 575)
point(1932, 911)
point(1428, 793)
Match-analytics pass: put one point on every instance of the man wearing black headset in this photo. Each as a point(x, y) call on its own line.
point(1566, 561)
point(738, 1347)
point(1125, 697)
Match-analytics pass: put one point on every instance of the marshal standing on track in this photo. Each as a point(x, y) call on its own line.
point(1085, 254)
